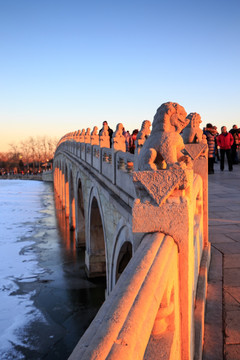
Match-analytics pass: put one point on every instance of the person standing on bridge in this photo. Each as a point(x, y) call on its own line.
point(236, 139)
point(132, 140)
point(210, 134)
point(110, 131)
point(225, 141)
point(127, 138)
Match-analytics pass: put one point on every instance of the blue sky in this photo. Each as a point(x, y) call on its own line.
point(68, 65)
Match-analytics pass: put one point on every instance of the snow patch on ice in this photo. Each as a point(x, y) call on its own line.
point(20, 208)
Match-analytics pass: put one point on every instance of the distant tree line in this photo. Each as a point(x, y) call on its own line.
point(28, 156)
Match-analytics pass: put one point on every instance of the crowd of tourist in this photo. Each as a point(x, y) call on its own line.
point(219, 145)
point(130, 139)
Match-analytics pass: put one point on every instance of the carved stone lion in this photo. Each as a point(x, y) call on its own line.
point(94, 136)
point(118, 139)
point(82, 135)
point(104, 138)
point(192, 133)
point(87, 136)
point(143, 133)
point(164, 145)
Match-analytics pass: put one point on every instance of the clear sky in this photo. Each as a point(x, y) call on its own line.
point(68, 65)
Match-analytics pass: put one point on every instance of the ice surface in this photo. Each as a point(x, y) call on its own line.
point(20, 209)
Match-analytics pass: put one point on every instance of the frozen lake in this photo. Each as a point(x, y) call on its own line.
point(46, 300)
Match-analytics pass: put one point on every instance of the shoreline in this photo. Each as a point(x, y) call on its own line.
point(44, 176)
point(21, 177)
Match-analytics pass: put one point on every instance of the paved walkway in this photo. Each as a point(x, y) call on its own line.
point(222, 323)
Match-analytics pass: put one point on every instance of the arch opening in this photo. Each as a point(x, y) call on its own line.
point(96, 262)
point(124, 256)
point(96, 229)
point(71, 203)
point(66, 190)
point(80, 238)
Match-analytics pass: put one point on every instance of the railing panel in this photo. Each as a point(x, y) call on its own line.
point(108, 164)
point(124, 168)
point(83, 151)
point(88, 149)
point(75, 148)
point(96, 157)
point(78, 150)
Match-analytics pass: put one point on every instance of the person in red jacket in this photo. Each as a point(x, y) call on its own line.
point(225, 141)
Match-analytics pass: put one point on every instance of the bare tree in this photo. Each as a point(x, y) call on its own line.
point(25, 147)
point(14, 152)
point(35, 150)
point(5, 162)
point(32, 145)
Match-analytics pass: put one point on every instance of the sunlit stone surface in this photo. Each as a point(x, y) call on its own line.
point(151, 206)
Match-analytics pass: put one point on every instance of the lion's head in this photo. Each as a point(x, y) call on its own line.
point(170, 117)
point(88, 132)
point(194, 120)
point(95, 131)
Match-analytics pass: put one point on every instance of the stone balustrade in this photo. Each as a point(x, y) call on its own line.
point(155, 309)
point(141, 317)
point(115, 165)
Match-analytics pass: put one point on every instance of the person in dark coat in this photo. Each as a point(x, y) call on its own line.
point(210, 133)
point(236, 139)
point(132, 141)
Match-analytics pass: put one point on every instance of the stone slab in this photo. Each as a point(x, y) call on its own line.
point(231, 261)
point(234, 292)
point(228, 248)
point(234, 236)
point(230, 303)
point(219, 238)
point(228, 216)
point(232, 328)
point(215, 273)
point(232, 352)
point(232, 277)
point(219, 227)
point(233, 207)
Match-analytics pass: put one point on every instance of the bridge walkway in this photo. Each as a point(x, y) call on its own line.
point(222, 321)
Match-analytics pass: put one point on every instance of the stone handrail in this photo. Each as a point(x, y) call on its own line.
point(154, 310)
point(116, 166)
point(113, 163)
point(141, 315)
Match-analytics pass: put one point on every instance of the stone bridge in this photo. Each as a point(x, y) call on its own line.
point(143, 220)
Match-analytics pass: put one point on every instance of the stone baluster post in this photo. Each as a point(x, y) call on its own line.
point(118, 140)
point(87, 136)
point(94, 136)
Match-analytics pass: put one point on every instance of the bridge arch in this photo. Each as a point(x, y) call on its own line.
point(122, 252)
point(56, 177)
point(72, 217)
point(62, 184)
point(59, 180)
point(66, 189)
point(95, 255)
point(80, 229)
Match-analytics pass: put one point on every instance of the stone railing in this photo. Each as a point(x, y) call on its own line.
point(115, 165)
point(156, 309)
point(141, 317)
